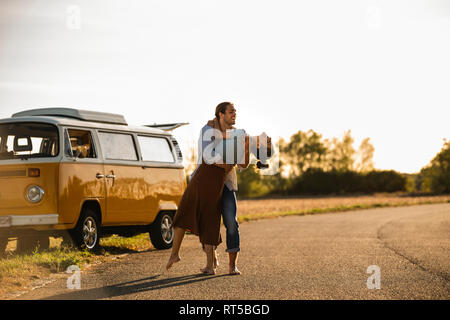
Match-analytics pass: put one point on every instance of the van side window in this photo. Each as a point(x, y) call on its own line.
point(155, 149)
point(117, 146)
point(81, 144)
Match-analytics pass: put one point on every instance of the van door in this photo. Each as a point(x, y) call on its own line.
point(81, 174)
point(124, 181)
point(162, 180)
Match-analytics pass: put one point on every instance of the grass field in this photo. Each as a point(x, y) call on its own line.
point(266, 208)
point(21, 272)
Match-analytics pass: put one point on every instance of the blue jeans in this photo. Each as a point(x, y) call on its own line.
point(229, 211)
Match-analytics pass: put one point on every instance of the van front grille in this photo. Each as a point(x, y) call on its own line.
point(13, 173)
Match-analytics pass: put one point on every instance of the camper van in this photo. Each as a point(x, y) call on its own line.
point(81, 175)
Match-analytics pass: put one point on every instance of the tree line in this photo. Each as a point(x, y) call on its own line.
point(312, 165)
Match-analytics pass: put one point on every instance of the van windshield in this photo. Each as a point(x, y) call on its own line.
point(28, 140)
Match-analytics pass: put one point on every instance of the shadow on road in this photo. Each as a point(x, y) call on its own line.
point(146, 284)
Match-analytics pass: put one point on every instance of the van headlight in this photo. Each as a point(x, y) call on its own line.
point(35, 194)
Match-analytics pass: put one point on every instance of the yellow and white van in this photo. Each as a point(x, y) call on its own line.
point(86, 174)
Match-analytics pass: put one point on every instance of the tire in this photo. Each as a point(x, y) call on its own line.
point(86, 234)
point(161, 231)
point(29, 243)
point(3, 244)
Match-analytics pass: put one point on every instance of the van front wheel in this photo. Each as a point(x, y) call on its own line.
point(161, 231)
point(86, 234)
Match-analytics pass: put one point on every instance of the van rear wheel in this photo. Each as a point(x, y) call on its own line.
point(161, 231)
point(86, 234)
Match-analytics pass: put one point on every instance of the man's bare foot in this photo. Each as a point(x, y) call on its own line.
point(234, 271)
point(208, 271)
point(171, 261)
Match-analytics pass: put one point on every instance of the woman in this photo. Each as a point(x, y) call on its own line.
point(200, 207)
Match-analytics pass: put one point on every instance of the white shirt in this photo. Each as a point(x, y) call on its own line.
point(231, 178)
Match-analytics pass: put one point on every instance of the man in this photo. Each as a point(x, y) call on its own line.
point(225, 119)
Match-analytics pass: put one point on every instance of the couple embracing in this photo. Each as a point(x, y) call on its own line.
point(209, 196)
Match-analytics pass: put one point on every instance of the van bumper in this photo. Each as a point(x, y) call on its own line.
point(28, 220)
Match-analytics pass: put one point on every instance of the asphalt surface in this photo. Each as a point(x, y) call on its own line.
point(322, 256)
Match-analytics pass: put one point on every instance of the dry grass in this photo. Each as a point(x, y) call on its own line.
point(265, 208)
point(19, 272)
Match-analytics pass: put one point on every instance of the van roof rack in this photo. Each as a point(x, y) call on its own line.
point(84, 115)
point(166, 126)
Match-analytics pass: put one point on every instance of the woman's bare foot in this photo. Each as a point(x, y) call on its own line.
point(208, 271)
point(215, 264)
point(171, 261)
point(234, 271)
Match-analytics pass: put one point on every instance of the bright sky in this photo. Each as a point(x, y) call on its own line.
point(378, 68)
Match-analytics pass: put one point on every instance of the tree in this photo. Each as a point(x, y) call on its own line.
point(190, 159)
point(435, 177)
point(341, 156)
point(250, 183)
point(364, 156)
point(304, 150)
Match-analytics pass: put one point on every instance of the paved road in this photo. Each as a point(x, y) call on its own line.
point(323, 256)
